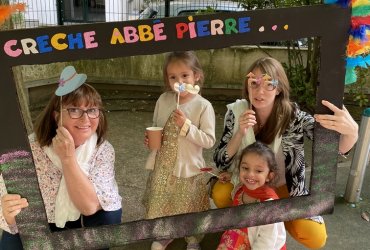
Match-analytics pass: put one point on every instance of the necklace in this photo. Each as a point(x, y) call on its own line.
point(258, 127)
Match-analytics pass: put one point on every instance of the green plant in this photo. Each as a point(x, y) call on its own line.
point(18, 17)
point(256, 4)
point(208, 10)
point(301, 91)
point(359, 89)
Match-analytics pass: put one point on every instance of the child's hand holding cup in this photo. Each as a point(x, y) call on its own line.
point(154, 135)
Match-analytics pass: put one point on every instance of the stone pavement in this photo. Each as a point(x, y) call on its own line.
point(345, 227)
point(127, 121)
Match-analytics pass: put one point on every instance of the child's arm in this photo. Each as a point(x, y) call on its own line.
point(154, 124)
point(155, 114)
point(225, 177)
point(10, 206)
point(271, 236)
point(204, 136)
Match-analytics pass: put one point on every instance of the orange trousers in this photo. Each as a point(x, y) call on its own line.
point(307, 232)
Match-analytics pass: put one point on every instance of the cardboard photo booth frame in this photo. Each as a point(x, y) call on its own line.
point(152, 36)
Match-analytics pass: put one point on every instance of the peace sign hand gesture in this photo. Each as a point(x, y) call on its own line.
point(342, 122)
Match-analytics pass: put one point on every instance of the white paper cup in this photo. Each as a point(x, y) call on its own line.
point(155, 137)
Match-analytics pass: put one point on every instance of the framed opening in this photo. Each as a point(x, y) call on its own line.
point(104, 41)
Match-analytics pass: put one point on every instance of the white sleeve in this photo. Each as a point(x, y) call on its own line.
point(204, 136)
point(271, 236)
point(155, 114)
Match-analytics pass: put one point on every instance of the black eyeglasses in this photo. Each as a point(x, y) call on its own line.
point(76, 113)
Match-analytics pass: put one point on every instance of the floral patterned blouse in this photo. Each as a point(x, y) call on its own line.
point(101, 174)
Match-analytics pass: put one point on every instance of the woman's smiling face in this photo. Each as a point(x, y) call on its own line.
point(81, 128)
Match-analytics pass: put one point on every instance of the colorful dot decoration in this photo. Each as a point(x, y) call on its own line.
point(274, 28)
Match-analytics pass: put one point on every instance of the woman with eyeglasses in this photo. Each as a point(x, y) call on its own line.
point(266, 114)
point(74, 165)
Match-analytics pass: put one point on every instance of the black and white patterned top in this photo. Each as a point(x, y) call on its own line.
point(292, 146)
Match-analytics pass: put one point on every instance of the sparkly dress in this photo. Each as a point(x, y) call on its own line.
point(167, 194)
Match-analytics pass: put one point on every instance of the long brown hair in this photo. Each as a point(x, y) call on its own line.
point(189, 58)
point(46, 124)
point(283, 110)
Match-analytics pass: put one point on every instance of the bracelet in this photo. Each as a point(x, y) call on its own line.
point(185, 128)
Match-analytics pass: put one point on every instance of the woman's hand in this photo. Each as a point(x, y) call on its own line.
point(63, 143)
point(341, 121)
point(246, 120)
point(180, 118)
point(12, 204)
point(224, 177)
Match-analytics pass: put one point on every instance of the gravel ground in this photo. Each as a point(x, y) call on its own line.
point(128, 118)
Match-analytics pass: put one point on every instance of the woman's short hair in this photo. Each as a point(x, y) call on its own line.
point(46, 124)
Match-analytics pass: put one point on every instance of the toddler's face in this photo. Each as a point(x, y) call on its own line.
point(254, 171)
point(178, 71)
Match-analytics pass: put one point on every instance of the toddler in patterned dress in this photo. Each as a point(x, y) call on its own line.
point(176, 185)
